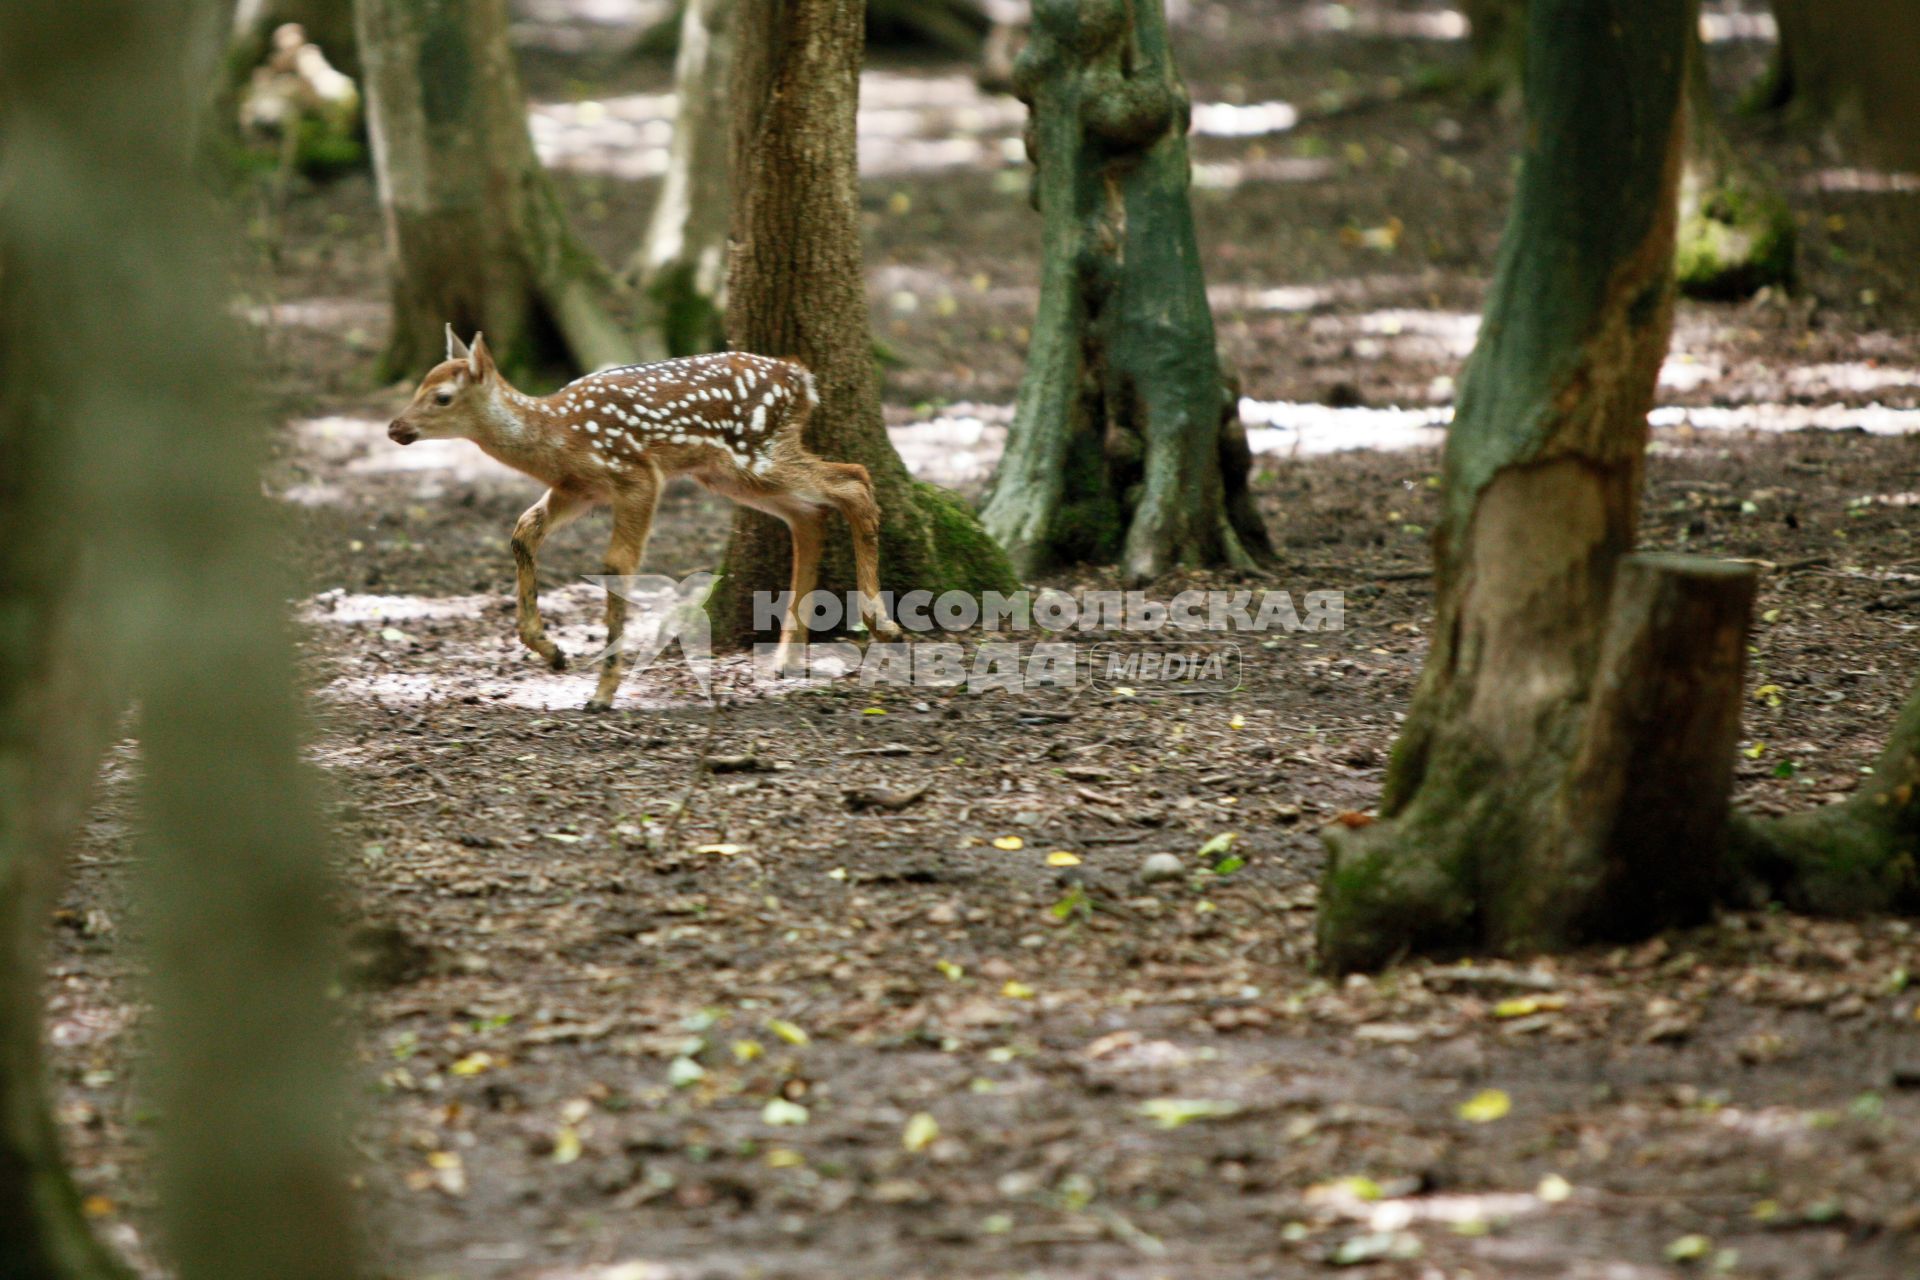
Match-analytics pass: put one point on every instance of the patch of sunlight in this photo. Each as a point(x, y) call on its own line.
point(1374, 20)
point(1721, 25)
point(340, 608)
point(1683, 371)
point(1225, 175)
point(957, 448)
point(1296, 297)
point(1875, 419)
point(331, 314)
point(1252, 120)
point(1852, 376)
point(1863, 181)
point(1295, 428)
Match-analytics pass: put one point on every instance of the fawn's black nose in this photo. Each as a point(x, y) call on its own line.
point(400, 433)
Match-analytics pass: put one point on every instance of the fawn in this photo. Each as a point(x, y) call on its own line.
point(731, 421)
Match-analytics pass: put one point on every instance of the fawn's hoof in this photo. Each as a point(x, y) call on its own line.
point(888, 630)
point(556, 660)
point(596, 705)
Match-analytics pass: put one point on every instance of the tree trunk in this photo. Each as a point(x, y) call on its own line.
point(796, 287)
point(1497, 34)
point(118, 408)
point(1853, 858)
point(1543, 475)
point(1125, 443)
point(680, 267)
point(1736, 233)
point(475, 230)
point(1851, 63)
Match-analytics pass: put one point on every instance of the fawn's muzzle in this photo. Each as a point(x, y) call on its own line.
point(400, 433)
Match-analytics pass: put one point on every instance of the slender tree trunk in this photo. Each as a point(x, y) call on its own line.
point(796, 287)
point(1126, 443)
point(119, 404)
point(680, 267)
point(475, 230)
point(1487, 834)
point(1497, 34)
point(1736, 233)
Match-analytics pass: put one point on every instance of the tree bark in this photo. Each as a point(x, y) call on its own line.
point(1497, 35)
point(475, 230)
point(1851, 63)
point(1542, 481)
point(679, 270)
point(1736, 232)
point(796, 288)
point(1853, 858)
point(1125, 442)
point(119, 439)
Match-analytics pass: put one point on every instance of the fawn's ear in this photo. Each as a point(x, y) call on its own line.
point(479, 359)
point(456, 349)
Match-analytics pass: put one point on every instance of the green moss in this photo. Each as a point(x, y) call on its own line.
point(968, 560)
point(1739, 240)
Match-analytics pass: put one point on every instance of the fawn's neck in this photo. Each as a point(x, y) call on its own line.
point(513, 428)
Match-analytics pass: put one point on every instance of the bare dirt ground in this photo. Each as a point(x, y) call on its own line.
point(777, 1036)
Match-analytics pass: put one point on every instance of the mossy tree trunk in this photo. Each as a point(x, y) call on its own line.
point(123, 461)
point(475, 231)
point(1126, 444)
point(1736, 233)
point(1859, 856)
point(680, 268)
point(796, 288)
point(1485, 837)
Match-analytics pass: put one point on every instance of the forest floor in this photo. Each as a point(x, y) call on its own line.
point(583, 1021)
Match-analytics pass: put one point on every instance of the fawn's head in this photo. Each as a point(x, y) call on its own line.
point(452, 398)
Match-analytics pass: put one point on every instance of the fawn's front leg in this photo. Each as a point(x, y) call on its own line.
point(555, 508)
point(632, 521)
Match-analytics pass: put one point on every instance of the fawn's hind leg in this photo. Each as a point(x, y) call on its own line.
point(555, 508)
point(850, 489)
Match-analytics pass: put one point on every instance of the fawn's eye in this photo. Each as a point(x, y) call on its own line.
point(443, 397)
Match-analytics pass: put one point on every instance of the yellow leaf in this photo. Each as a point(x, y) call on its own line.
point(874, 711)
point(787, 1031)
point(784, 1158)
point(899, 202)
point(746, 1050)
point(1063, 858)
point(1237, 721)
point(96, 1206)
point(1009, 843)
point(472, 1065)
point(920, 1133)
point(1485, 1106)
point(1688, 1248)
point(949, 970)
point(1123, 691)
point(1755, 751)
point(1553, 1189)
point(723, 850)
point(566, 1144)
point(1522, 1006)
point(1016, 990)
